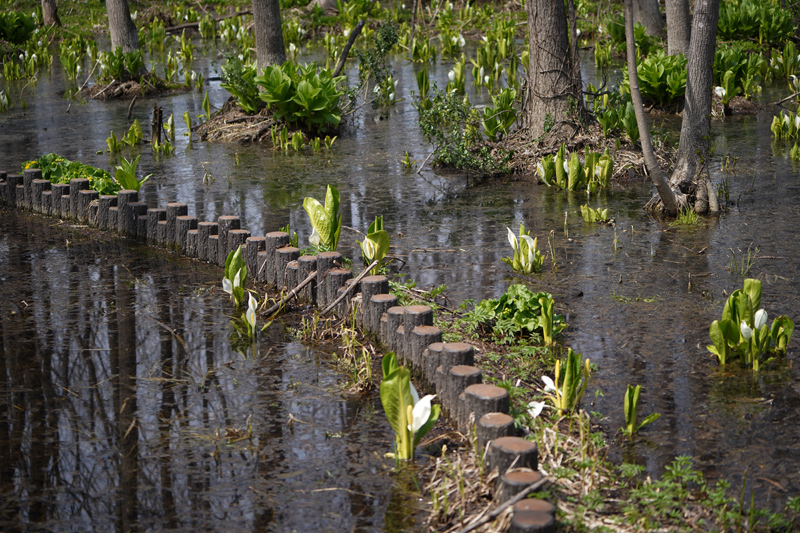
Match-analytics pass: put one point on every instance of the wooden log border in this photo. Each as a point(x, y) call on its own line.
point(271, 261)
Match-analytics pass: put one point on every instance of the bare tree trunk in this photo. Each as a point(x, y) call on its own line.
point(679, 26)
point(666, 194)
point(553, 89)
point(50, 13)
point(693, 147)
point(269, 35)
point(121, 26)
point(646, 12)
point(574, 58)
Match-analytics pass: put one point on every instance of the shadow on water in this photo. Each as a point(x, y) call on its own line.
point(125, 407)
point(633, 310)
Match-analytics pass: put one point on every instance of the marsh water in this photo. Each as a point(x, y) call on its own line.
point(112, 422)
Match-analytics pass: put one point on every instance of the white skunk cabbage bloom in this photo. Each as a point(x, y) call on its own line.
point(540, 169)
point(535, 409)
point(512, 238)
point(421, 411)
point(549, 385)
point(747, 333)
point(486, 80)
point(368, 247)
point(451, 75)
point(250, 315)
point(566, 166)
point(761, 318)
point(720, 92)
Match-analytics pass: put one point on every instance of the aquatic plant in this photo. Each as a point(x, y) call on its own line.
point(499, 117)
point(457, 76)
point(593, 174)
point(527, 257)
point(325, 220)
point(602, 55)
point(519, 312)
point(16, 27)
point(293, 239)
point(410, 417)
point(631, 410)
point(187, 119)
point(754, 19)
point(4, 103)
point(743, 329)
point(567, 390)
point(125, 174)
point(591, 215)
point(375, 245)
point(786, 126)
point(662, 78)
point(422, 50)
point(59, 169)
point(235, 276)
point(300, 94)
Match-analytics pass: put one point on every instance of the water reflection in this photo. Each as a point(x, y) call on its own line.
point(125, 407)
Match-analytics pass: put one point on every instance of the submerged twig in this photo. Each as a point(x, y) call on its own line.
point(350, 288)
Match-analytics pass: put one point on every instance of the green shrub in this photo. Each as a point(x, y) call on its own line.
point(239, 80)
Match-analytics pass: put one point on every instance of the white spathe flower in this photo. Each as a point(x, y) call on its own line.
point(549, 385)
point(402, 6)
point(578, 33)
point(486, 80)
point(420, 413)
point(461, 41)
point(535, 409)
point(451, 75)
point(391, 97)
point(368, 248)
point(747, 333)
point(292, 48)
point(241, 57)
point(314, 239)
point(761, 318)
point(346, 33)
point(237, 279)
point(250, 315)
point(540, 169)
point(194, 76)
point(227, 286)
point(78, 69)
point(566, 167)
point(720, 92)
point(512, 238)
point(797, 121)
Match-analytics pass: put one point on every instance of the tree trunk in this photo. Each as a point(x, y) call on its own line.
point(679, 25)
point(50, 13)
point(693, 147)
point(666, 194)
point(646, 12)
point(269, 35)
point(121, 26)
point(553, 91)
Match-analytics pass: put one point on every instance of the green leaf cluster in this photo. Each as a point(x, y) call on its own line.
point(120, 66)
point(739, 316)
point(239, 80)
point(662, 78)
point(301, 96)
point(522, 308)
point(375, 245)
point(125, 174)
point(747, 70)
point(59, 169)
point(325, 220)
point(591, 215)
point(786, 126)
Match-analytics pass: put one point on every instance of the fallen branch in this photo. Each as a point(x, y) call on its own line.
point(291, 294)
point(349, 289)
point(779, 102)
point(494, 514)
point(347, 46)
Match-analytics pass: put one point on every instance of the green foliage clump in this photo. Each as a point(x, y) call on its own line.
point(239, 80)
point(16, 27)
point(499, 117)
point(59, 169)
point(120, 66)
point(302, 96)
point(519, 311)
point(764, 20)
point(453, 126)
point(662, 78)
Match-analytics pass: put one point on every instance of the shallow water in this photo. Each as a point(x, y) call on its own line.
point(637, 316)
point(127, 406)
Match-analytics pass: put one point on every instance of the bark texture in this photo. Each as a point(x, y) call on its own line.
point(679, 25)
point(693, 147)
point(50, 13)
point(646, 12)
point(551, 83)
point(666, 194)
point(269, 35)
point(121, 26)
